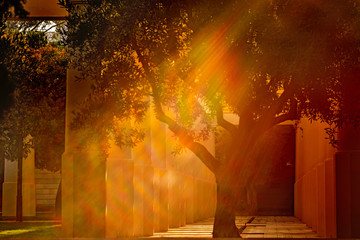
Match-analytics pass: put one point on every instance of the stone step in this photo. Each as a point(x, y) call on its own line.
point(47, 180)
point(45, 202)
point(42, 191)
point(45, 196)
point(47, 175)
point(271, 227)
point(37, 170)
point(47, 186)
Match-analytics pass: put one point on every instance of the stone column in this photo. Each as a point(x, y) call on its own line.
point(348, 163)
point(82, 171)
point(143, 200)
point(199, 199)
point(174, 199)
point(347, 184)
point(179, 188)
point(182, 197)
point(189, 193)
point(89, 194)
point(143, 183)
point(189, 167)
point(158, 156)
point(9, 189)
point(161, 200)
point(174, 182)
point(119, 193)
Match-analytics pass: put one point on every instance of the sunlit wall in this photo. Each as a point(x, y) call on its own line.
point(314, 198)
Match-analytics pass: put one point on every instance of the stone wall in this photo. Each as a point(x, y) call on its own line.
point(314, 197)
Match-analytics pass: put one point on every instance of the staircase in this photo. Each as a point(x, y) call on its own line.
point(46, 184)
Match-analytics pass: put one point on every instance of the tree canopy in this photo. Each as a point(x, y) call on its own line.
point(252, 58)
point(7, 9)
point(37, 70)
point(265, 61)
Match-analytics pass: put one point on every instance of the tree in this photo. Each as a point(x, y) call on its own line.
point(265, 61)
point(37, 70)
point(7, 9)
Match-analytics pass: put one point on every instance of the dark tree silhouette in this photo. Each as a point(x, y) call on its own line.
point(37, 70)
point(7, 9)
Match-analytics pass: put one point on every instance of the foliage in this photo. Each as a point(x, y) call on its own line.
point(311, 48)
point(52, 29)
point(38, 73)
point(7, 9)
point(267, 61)
point(8, 48)
point(11, 9)
point(109, 30)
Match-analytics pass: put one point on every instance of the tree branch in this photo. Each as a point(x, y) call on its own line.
point(282, 118)
point(290, 115)
point(279, 103)
point(36, 25)
point(270, 115)
point(231, 128)
point(185, 138)
point(51, 27)
point(183, 134)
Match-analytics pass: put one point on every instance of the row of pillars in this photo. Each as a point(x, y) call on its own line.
point(327, 190)
point(133, 192)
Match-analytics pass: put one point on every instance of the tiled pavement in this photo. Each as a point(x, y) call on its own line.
point(260, 227)
point(277, 227)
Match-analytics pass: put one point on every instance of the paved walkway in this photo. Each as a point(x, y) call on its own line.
point(260, 227)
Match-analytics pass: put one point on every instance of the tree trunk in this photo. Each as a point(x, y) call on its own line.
point(224, 224)
point(19, 200)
